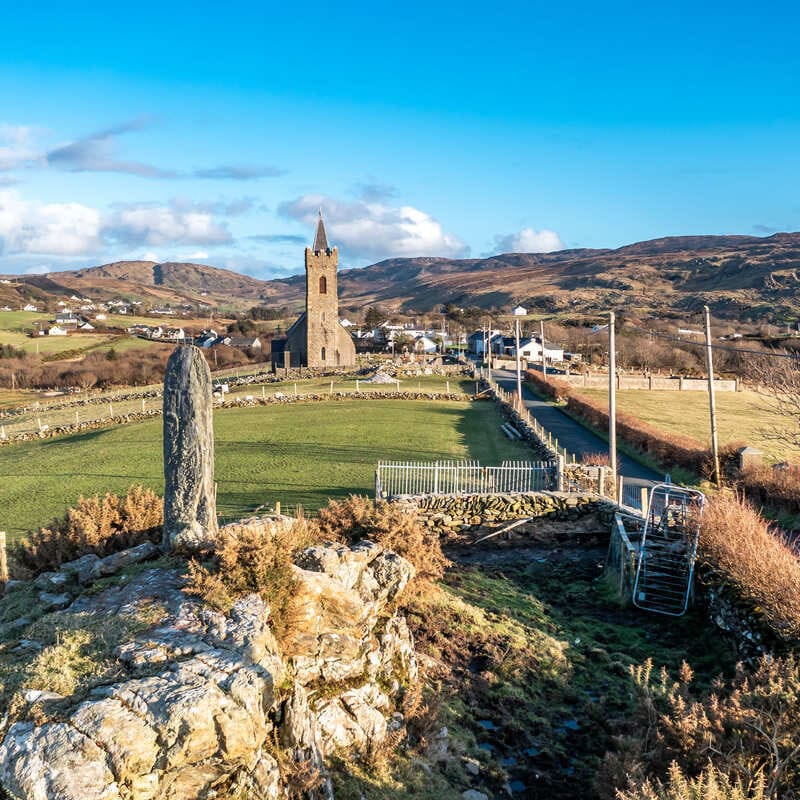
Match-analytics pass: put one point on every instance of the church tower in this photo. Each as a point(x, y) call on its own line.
point(325, 345)
point(316, 339)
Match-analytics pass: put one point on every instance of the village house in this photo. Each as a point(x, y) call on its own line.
point(65, 318)
point(424, 344)
point(246, 342)
point(477, 341)
point(30, 307)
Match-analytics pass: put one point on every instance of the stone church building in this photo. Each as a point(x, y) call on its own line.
point(316, 339)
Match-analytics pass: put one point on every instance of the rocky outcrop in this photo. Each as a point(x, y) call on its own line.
point(190, 514)
point(203, 698)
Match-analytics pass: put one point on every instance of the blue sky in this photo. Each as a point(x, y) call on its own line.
point(213, 133)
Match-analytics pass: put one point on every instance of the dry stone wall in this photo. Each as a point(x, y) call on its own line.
point(559, 516)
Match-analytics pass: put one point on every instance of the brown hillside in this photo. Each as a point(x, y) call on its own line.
point(739, 276)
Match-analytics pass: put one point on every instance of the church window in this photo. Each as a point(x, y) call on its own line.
point(323, 353)
point(323, 285)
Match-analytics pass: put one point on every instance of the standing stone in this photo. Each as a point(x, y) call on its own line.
point(190, 509)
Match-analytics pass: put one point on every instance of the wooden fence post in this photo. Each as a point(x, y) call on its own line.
point(644, 500)
point(3, 559)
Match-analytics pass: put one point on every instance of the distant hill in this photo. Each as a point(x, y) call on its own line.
point(739, 276)
point(152, 283)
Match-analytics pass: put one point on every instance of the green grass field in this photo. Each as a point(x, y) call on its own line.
point(741, 417)
point(294, 454)
point(22, 321)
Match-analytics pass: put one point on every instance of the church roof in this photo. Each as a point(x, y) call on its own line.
point(321, 239)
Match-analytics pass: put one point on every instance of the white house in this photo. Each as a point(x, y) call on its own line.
point(100, 317)
point(477, 341)
point(30, 307)
point(86, 326)
point(56, 330)
point(424, 344)
point(519, 311)
point(66, 318)
point(531, 350)
point(345, 323)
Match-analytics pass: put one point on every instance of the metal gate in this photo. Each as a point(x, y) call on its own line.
point(668, 549)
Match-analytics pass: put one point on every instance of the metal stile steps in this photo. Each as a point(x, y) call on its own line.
point(668, 549)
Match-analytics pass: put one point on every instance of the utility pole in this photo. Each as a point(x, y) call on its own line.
point(711, 403)
point(612, 400)
point(541, 338)
point(519, 368)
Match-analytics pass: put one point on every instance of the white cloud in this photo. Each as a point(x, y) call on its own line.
point(16, 146)
point(374, 229)
point(155, 226)
point(529, 240)
point(51, 228)
point(30, 227)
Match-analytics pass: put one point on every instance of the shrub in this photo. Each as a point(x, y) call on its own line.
point(709, 785)
point(778, 489)
point(741, 552)
point(740, 740)
point(100, 525)
point(253, 558)
point(549, 387)
point(387, 524)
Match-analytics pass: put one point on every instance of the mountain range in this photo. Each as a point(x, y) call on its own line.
point(740, 277)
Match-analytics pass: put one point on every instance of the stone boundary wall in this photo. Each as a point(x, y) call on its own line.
point(650, 383)
point(542, 451)
point(282, 399)
point(459, 515)
point(80, 400)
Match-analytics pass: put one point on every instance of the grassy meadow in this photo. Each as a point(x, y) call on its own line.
point(741, 417)
point(49, 412)
point(295, 454)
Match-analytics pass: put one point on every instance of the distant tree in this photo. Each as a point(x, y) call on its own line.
point(374, 317)
point(242, 327)
point(265, 313)
point(777, 380)
point(403, 340)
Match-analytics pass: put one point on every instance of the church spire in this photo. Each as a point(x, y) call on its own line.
point(321, 239)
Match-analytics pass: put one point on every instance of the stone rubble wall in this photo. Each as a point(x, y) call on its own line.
point(238, 402)
point(462, 515)
point(200, 699)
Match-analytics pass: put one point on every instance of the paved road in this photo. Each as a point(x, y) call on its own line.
point(569, 433)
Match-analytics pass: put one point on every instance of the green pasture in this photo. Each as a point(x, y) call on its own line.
point(295, 454)
point(22, 321)
point(741, 417)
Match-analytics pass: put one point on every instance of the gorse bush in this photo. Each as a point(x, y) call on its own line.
point(740, 552)
point(255, 558)
point(100, 525)
point(388, 525)
point(742, 740)
point(709, 785)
